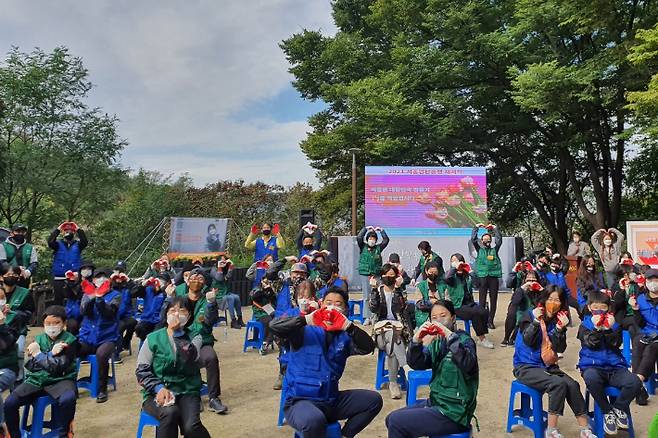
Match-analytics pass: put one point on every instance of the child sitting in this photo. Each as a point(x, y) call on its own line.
point(645, 344)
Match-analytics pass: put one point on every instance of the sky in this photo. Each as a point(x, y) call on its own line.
point(200, 87)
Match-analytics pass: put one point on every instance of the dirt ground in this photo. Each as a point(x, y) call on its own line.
point(247, 379)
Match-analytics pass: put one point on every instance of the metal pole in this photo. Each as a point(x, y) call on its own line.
point(353, 193)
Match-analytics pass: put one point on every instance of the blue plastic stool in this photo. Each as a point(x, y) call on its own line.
point(533, 417)
point(651, 384)
point(596, 416)
point(467, 434)
point(145, 420)
point(138, 313)
point(333, 431)
point(383, 373)
point(415, 380)
point(284, 391)
point(626, 346)
point(259, 335)
point(36, 429)
point(467, 325)
point(92, 382)
point(353, 315)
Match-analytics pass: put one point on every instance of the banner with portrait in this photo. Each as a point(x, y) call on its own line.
point(197, 236)
point(642, 241)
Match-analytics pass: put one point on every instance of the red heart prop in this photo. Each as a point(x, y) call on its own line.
point(536, 286)
point(464, 267)
point(276, 229)
point(528, 266)
point(518, 267)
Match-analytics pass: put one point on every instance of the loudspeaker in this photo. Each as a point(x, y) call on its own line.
point(306, 216)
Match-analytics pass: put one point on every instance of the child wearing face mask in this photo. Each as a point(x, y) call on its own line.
point(602, 364)
point(459, 290)
point(645, 343)
point(73, 295)
point(153, 291)
point(21, 304)
point(488, 267)
point(8, 355)
point(431, 290)
point(451, 355)
point(370, 261)
point(169, 374)
point(51, 370)
point(388, 306)
point(524, 298)
point(320, 344)
point(543, 334)
point(608, 244)
point(99, 331)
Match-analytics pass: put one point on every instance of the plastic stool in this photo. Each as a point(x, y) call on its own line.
point(259, 335)
point(596, 416)
point(35, 430)
point(467, 325)
point(415, 380)
point(533, 417)
point(138, 314)
point(383, 373)
point(284, 391)
point(467, 434)
point(223, 319)
point(145, 420)
point(651, 384)
point(626, 346)
point(92, 382)
point(353, 315)
point(333, 431)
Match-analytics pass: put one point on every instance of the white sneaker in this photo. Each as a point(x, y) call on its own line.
point(394, 389)
point(485, 343)
point(587, 433)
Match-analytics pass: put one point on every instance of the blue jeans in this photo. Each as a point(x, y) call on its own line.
point(7, 379)
point(233, 304)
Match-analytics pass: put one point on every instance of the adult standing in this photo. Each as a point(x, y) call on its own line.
point(309, 239)
point(19, 253)
point(269, 243)
point(578, 248)
point(427, 256)
point(608, 244)
point(67, 255)
point(488, 266)
point(370, 261)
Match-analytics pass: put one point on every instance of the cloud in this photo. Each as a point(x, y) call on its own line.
point(183, 78)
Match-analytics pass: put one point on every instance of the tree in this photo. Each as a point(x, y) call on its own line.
point(645, 103)
point(535, 90)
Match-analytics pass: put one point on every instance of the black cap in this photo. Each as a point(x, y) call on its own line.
point(102, 271)
point(87, 264)
point(121, 266)
point(651, 273)
point(18, 227)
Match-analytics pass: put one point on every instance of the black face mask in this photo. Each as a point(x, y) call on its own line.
point(267, 232)
point(433, 277)
point(18, 238)
point(308, 247)
point(68, 236)
point(555, 268)
point(11, 281)
point(324, 275)
point(487, 244)
point(388, 281)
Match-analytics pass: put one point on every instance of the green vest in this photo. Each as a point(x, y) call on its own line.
point(198, 327)
point(176, 375)
point(452, 393)
point(423, 261)
point(10, 251)
point(42, 378)
point(15, 302)
point(370, 262)
point(456, 292)
point(181, 290)
point(10, 358)
point(488, 263)
point(221, 286)
point(424, 289)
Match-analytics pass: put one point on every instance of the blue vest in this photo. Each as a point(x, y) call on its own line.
point(530, 355)
point(603, 358)
point(557, 280)
point(339, 282)
point(315, 369)
point(126, 307)
point(262, 250)
point(66, 258)
point(152, 305)
point(96, 330)
point(72, 308)
point(649, 313)
point(283, 301)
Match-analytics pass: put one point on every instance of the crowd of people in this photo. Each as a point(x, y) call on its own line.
point(302, 302)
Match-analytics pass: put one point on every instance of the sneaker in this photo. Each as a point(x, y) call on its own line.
point(610, 423)
point(117, 359)
point(642, 398)
point(102, 397)
point(560, 355)
point(622, 418)
point(241, 322)
point(216, 405)
point(394, 389)
point(486, 343)
point(505, 343)
point(587, 433)
point(552, 433)
point(235, 325)
point(278, 384)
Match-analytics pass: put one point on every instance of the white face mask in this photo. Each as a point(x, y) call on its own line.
point(182, 319)
point(3, 302)
point(52, 330)
point(447, 322)
point(172, 317)
point(652, 286)
point(576, 239)
point(372, 243)
point(607, 242)
point(98, 282)
point(85, 273)
point(334, 307)
point(455, 264)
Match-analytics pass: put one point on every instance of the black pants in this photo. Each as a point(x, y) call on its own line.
point(126, 330)
point(644, 357)
point(558, 385)
point(420, 420)
point(208, 359)
point(512, 309)
point(63, 392)
point(103, 353)
point(143, 329)
point(358, 406)
point(58, 292)
point(628, 323)
point(265, 320)
point(489, 285)
point(629, 385)
point(184, 414)
point(73, 326)
point(477, 315)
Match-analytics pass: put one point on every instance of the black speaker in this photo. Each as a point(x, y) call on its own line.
point(306, 216)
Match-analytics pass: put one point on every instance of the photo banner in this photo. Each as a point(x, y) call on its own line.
point(426, 201)
point(197, 236)
point(642, 241)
